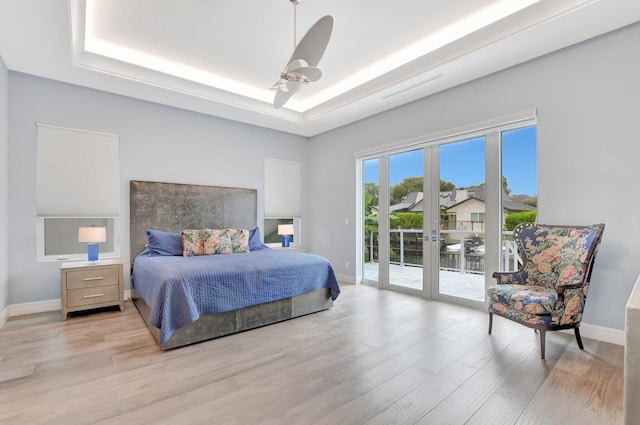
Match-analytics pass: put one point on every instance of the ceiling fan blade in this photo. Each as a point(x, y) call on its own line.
point(276, 85)
point(314, 43)
point(281, 98)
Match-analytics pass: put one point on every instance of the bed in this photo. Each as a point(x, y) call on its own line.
point(184, 300)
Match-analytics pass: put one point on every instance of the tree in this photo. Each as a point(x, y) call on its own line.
point(505, 185)
point(414, 184)
point(446, 186)
point(406, 186)
point(371, 189)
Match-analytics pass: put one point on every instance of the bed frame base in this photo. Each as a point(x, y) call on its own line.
point(210, 326)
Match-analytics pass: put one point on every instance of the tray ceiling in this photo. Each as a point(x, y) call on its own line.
point(220, 58)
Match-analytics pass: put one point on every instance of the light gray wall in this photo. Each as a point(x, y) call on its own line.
point(4, 176)
point(587, 98)
point(157, 143)
point(588, 101)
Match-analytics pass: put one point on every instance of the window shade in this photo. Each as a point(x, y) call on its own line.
point(281, 189)
point(78, 173)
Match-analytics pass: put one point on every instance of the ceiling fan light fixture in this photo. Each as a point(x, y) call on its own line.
point(294, 85)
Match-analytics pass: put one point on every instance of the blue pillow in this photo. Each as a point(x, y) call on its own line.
point(255, 243)
point(164, 243)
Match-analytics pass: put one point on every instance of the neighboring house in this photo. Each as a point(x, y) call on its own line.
point(455, 196)
point(464, 207)
point(468, 214)
point(411, 202)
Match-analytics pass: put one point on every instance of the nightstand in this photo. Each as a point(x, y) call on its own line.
point(88, 285)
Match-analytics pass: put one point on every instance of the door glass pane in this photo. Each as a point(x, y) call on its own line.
point(406, 218)
point(462, 219)
point(371, 173)
point(520, 194)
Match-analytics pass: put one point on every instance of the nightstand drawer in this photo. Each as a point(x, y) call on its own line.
point(93, 277)
point(92, 295)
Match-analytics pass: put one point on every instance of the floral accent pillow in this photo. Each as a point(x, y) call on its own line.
point(226, 241)
point(192, 242)
point(240, 240)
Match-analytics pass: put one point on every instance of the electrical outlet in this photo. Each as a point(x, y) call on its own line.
point(346, 265)
point(346, 221)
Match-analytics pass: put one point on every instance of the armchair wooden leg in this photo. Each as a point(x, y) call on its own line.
point(491, 322)
point(578, 339)
point(542, 338)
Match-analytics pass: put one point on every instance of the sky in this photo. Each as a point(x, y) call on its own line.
point(463, 163)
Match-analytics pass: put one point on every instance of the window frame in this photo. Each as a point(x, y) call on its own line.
point(41, 242)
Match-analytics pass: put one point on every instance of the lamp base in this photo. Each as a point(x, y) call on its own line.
point(286, 240)
point(92, 249)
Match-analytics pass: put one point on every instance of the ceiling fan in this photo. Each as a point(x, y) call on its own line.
point(302, 67)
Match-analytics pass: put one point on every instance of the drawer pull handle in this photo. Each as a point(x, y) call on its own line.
point(94, 296)
point(93, 278)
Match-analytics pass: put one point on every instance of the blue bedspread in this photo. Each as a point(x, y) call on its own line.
point(181, 289)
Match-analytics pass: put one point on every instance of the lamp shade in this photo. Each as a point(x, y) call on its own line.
point(92, 234)
point(285, 229)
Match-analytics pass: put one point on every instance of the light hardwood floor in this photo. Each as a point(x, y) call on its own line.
point(377, 357)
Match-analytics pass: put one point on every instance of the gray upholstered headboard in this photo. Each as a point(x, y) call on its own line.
point(173, 207)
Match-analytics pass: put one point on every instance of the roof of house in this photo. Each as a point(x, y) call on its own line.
point(479, 193)
point(408, 202)
point(457, 196)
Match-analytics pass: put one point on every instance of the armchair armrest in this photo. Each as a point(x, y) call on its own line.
point(560, 288)
point(513, 278)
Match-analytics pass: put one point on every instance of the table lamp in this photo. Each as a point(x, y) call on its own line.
point(92, 236)
point(285, 230)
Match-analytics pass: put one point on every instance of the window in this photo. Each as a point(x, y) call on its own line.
point(281, 200)
point(78, 185)
point(271, 230)
point(477, 217)
point(58, 237)
point(520, 178)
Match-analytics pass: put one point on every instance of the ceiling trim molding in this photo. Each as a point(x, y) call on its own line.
point(44, 40)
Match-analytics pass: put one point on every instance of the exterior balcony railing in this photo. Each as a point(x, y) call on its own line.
point(460, 250)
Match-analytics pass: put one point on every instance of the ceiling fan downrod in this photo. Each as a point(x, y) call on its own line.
point(295, 8)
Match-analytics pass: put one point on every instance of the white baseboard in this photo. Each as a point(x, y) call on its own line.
point(610, 335)
point(34, 307)
point(345, 278)
point(38, 307)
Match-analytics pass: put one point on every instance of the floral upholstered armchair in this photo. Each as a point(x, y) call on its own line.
point(549, 291)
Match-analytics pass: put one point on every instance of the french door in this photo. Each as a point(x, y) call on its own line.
point(435, 237)
point(433, 218)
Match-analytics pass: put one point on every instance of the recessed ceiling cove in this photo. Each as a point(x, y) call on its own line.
point(222, 57)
